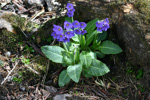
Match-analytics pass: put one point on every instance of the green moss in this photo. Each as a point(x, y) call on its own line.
point(143, 7)
point(8, 39)
point(40, 64)
point(15, 20)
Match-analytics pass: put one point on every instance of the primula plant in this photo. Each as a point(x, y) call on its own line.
point(82, 45)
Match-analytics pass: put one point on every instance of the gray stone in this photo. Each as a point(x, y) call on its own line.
point(132, 27)
point(62, 97)
point(51, 89)
point(51, 4)
point(38, 2)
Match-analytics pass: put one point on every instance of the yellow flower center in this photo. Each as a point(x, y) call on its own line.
point(68, 33)
point(59, 29)
point(67, 24)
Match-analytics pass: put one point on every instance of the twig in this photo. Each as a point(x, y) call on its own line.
point(100, 95)
point(23, 32)
point(32, 69)
point(37, 14)
point(36, 48)
point(14, 66)
point(53, 42)
point(133, 84)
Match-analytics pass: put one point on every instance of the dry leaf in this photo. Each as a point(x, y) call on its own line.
point(108, 85)
point(127, 8)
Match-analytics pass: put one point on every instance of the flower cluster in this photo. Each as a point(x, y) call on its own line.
point(70, 9)
point(70, 29)
point(102, 25)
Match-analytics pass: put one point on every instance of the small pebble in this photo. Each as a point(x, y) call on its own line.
point(8, 53)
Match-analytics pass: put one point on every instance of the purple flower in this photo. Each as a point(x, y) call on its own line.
point(70, 14)
point(69, 34)
point(57, 29)
point(99, 24)
point(67, 25)
point(76, 24)
point(69, 6)
point(83, 32)
point(72, 10)
point(105, 24)
point(82, 25)
point(102, 25)
point(105, 27)
point(100, 29)
point(106, 20)
point(77, 31)
point(54, 35)
point(66, 40)
point(61, 37)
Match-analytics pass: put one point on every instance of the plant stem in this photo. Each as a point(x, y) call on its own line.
point(71, 19)
point(65, 47)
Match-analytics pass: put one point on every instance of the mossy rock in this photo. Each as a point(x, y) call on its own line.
point(11, 30)
point(131, 27)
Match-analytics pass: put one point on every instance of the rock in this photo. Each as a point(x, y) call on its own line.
point(22, 87)
point(51, 4)
point(38, 2)
point(7, 54)
point(51, 89)
point(10, 30)
point(132, 24)
point(9, 27)
point(62, 97)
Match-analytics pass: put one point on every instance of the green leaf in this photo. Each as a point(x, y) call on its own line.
point(139, 74)
point(92, 54)
point(95, 45)
point(53, 53)
point(91, 26)
point(68, 57)
point(63, 78)
point(82, 41)
point(72, 46)
point(85, 74)
point(86, 58)
point(76, 56)
point(102, 36)
point(68, 19)
point(75, 38)
point(90, 37)
point(74, 72)
point(108, 47)
point(100, 54)
point(97, 68)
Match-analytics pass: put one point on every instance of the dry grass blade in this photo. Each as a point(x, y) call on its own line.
point(14, 66)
